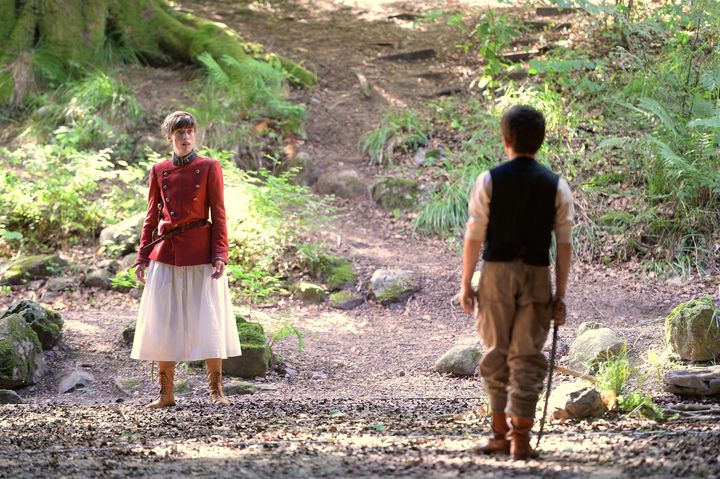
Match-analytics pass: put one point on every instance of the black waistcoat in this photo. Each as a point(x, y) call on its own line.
point(522, 212)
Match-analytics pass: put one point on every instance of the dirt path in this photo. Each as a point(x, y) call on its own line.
point(355, 407)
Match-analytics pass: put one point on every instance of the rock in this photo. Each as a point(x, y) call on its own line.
point(343, 184)
point(27, 268)
point(61, 283)
point(124, 237)
point(46, 323)
point(594, 346)
point(21, 358)
point(312, 293)
point(393, 286)
point(291, 372)
point(128, 333)
point(125, 386)
point(475, 282)
point(307, 171)
point(335, 272)
point(587, 326)
point(393, 193)
point(692, 329)
point(346, 300)
point(127, 261)
point(575, 401)
point(318, 376)
point(75, 379)
point(693, 382)
point(459, 361)
point(8, 396)
point(255, 358)
point(553, 11)
point(98, 278)
point(136, 293)
point(234, 387)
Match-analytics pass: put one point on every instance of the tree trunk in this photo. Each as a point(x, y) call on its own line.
point(45, 42)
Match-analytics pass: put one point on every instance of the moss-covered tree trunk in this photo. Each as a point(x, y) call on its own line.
point(42, 40)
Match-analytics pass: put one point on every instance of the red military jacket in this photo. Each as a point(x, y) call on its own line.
point(187, 193)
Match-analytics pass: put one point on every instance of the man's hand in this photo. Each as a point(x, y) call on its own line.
point(467, 299)
point(559, 311)
point(140, 272)
point(219, 268)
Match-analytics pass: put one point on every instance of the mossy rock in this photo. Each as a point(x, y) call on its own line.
point(345, 300)
point(312, 293)
point(255, 359)
point(128, 333)
point(21, 357)
point(594, 346)
point(122, 238)
point(693, 330)
point(334, 271)
point(393, 193)
point(393, 286)
point(28, 268)
point(46, 323)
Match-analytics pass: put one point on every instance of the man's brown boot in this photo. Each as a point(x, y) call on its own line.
point(214, 367)
point(520, 438)
point(166, 378)
point(499, 443)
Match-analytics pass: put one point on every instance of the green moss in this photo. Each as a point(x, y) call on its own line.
point(396, 193)
point(26, 268)
point(392, 293)
point(250, 334)
point(342, 296)
point(334, 271)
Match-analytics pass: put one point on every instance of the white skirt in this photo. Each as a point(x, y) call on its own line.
point(185, 315)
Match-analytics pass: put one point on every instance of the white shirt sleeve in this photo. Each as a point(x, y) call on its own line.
point(564, 213)
point(479, 208)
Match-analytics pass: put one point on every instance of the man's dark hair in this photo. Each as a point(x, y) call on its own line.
point(524, 128)
point(178, 120)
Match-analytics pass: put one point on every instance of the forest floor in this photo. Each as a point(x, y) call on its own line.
point(364, 402)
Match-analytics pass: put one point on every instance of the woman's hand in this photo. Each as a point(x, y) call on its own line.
point(140, 272)
point(219, 268)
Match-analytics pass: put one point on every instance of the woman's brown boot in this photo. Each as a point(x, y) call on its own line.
point(520, 438)
point(166, 378)
point(214, 367)
point(499, 443)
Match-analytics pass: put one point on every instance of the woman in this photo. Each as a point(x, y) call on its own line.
point(185, 312)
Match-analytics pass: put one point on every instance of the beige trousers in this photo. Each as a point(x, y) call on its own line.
point(514, 313)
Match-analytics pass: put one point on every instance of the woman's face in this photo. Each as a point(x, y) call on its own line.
point(182, 141)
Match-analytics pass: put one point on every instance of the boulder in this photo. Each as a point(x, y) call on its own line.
point(393, 193)
point(122, 238)
point(8, 396)
point(311, 293)
point(46, 323)
point(346, 300)
point(335, 272)
point(307, 172)
point(255, 357)
point(28, 268)
point(459, 361)
point(343, 184)
point(98, 278)
point(75, 379)
point(693, 382)
point(692, 329)
point(21, 358)
point(61, 283)
point(393, 286)
point(128, 333)
point(594, 346)
point(574, 401)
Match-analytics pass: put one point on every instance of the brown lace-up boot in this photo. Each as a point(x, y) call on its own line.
point(166, 378)
point(499, 443)
point(520, 438)
point(214, 367)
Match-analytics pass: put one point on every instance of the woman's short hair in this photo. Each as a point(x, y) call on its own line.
point(523, 127)
point(178, 120)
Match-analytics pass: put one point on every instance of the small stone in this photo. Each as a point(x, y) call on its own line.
point(61, 283)
point(76, 379)
point(291, 372)
point(345, 300)
point(393, 286)
point(459, 361)
point(312, 293)
point(98, 278)
point(318, 375)
point(575, 401)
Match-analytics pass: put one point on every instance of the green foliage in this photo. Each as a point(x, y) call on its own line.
point(235, 92)
point(282, 329)
point(406, 130)
point(125, 280)
point(254, 283)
